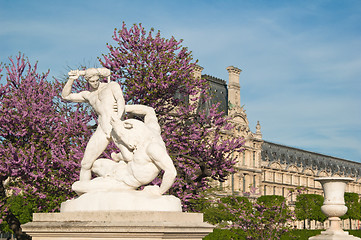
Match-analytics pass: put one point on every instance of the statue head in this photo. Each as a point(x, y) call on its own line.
point(92, 76)
point(91, 72)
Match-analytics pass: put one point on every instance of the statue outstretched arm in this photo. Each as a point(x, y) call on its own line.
point(150, 118)
point(67, 94)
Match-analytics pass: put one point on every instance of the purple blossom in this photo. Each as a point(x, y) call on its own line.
point(41, 138)
point(153, 70)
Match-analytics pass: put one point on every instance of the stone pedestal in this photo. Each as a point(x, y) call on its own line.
point(122, 201)
point(124, 225)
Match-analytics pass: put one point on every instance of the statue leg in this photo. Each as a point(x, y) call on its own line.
point(96, 146)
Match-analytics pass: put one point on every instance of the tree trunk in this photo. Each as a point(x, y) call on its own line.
point(2, 188)
point(14, 225)
point(11, 219)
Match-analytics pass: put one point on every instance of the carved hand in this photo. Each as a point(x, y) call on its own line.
point(74, 74)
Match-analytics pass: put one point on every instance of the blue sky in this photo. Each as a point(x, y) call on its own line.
point(301, 60)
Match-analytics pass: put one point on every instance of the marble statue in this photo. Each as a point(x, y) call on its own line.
point(136, 166)
point(142, 152)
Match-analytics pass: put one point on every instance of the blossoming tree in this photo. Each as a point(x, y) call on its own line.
point(41, 141)
point(156, 71)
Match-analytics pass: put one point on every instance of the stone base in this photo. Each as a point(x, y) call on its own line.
point(122, 201)
point(117, 225)
point(334, 235)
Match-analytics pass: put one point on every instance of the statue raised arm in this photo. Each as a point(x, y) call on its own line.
point(102, 97)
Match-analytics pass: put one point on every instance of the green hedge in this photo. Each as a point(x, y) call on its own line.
point(224, 234)
point(300, 234)
point(356, 233)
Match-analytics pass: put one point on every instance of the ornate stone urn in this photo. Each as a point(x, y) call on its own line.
point(334, 207)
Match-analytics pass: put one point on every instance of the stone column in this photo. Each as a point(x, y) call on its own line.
point(234, 86)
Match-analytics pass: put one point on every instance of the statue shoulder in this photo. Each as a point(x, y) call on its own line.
point(113, 84)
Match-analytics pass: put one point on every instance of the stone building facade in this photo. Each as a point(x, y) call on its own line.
point(266, 168)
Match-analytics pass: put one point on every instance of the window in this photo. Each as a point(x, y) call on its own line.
point(244, 184)
point(232, 183)
point(274, 176)
point(254, 158)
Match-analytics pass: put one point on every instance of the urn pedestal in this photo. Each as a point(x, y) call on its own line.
point(334, 207)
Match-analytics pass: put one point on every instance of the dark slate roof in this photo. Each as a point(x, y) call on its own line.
point(219, 93)
point(273, 152)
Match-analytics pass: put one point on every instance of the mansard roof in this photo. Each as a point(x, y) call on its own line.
point(272, 152)
point(218, 92)
point(214, 79)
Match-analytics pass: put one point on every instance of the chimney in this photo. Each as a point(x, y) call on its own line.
point(197, 71)
point(234, 95)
